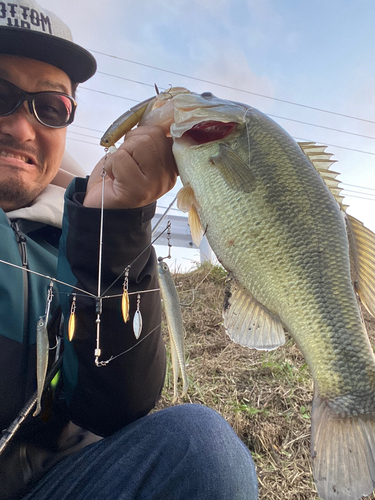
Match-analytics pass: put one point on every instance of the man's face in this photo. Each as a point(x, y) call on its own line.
point(30, 153)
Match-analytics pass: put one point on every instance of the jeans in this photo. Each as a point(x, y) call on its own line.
point(182, 452)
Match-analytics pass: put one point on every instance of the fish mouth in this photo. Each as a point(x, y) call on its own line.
point(209, 131)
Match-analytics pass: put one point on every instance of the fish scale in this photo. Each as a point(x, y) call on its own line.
point(273, 214)
point(295, 261)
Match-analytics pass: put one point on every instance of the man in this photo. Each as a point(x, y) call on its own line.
point(183, 452)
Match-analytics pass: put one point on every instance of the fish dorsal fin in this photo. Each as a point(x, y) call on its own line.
point(234, 170)
point(362, 252)
point(187, 202)
point(322, 162)
point(249, 323)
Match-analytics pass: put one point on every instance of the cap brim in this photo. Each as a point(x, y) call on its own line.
point(78, 63)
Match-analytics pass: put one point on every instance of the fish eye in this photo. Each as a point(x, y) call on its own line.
point(207, 94)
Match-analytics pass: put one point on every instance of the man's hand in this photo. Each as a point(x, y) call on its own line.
point(138, 173)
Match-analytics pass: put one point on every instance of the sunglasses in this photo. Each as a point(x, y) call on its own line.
point(52, 109)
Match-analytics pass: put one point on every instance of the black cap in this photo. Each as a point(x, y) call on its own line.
point(28, 30)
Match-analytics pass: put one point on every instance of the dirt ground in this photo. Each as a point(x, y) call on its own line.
point(265, 396)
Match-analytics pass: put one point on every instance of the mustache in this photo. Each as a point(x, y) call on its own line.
point(9, 142)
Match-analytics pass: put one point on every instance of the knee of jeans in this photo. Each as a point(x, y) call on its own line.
point(208, 435)
point(193, 420)
point(214, 453)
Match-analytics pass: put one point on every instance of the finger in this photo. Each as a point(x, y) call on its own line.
point(162, 142)
point(152, 153)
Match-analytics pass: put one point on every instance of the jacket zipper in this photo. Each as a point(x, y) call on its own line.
point(21, 241)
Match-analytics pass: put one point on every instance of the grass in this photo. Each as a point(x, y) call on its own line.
point(265, 396)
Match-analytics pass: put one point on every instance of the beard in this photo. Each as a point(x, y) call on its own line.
point(15, 192)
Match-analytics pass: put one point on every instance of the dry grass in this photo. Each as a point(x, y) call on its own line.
point(266, 397)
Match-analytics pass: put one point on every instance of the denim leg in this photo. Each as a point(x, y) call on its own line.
point(186, 452)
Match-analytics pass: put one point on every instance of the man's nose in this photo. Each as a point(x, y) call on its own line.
point(20, 125)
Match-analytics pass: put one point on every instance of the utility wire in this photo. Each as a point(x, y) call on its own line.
point(84, 142)
point(233, 88)
point(96, 144)
point(112, 95)
point(84, 135)
point(87, 128)
point(127, 79)
point(357, 192)
point(296, 138)
point(273, 116)
point(361, 187)
point(359, 197)
point(336, 146)
point(322, 126)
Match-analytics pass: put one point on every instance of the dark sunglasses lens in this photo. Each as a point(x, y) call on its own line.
point(9, 97)
point(53, 110)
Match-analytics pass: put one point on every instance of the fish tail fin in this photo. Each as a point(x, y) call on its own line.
point(343, 453)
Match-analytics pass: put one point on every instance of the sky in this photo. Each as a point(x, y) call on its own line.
point(308, 65)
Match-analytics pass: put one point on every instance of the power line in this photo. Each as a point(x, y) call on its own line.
point(336, 146)
point(361, 187)
point(322, 126)
point(84, 142)
point(359, 197)
point(97, 138)
point(126, 79)
point(273, 116)
point(358, 192)
point(296, 138)
point(84, 135)
point(112, 95)
point(87, 128)
point(234, 88)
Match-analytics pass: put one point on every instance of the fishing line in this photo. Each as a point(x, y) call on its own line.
point(55, 280)
point(247, 133)
point(130, 293)
point(84, 292)
point(98, 307)
point(104, 363)
point(137, 319)
point(163, 216)
point(139, 255)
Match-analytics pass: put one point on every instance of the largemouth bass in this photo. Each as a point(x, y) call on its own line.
point(273, 214)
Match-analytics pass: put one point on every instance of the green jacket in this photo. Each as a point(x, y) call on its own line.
point(98, 399)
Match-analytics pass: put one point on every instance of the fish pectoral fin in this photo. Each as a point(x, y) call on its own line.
point(196, 228)
point(362, 253)
point(249, 323)
point(187, 202)
point(186, 199)
point(343, 453)
point(234, 170)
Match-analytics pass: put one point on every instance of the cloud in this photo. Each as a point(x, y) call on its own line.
point(223, 62)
